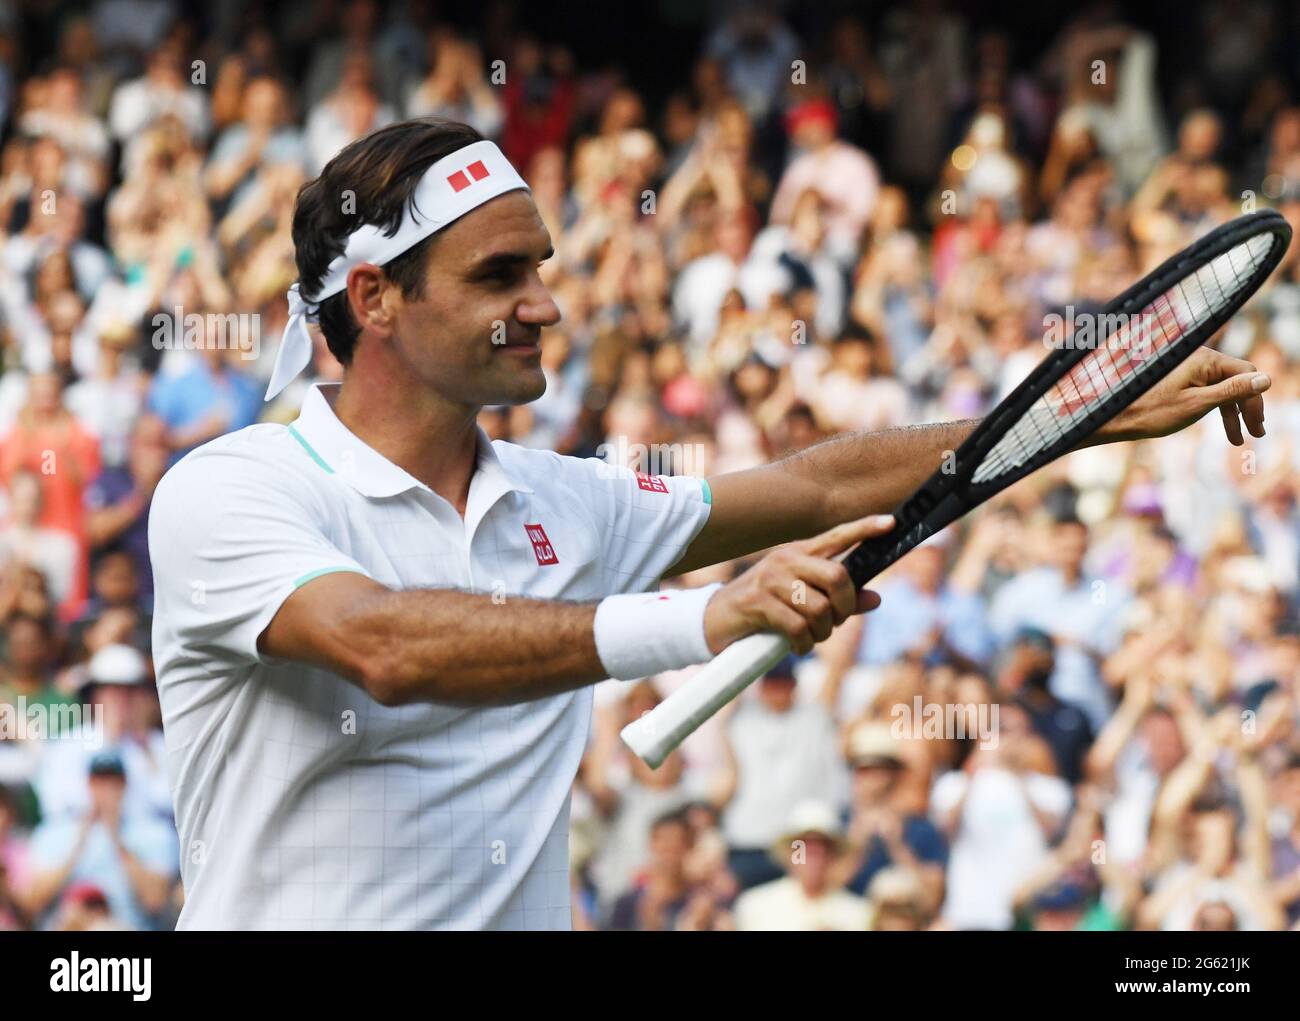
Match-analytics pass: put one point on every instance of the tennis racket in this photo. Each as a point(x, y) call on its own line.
point(1139, 338)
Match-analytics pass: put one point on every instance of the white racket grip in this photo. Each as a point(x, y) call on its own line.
point(674, 719)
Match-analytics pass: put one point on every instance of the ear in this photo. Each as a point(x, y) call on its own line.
point(372, 297)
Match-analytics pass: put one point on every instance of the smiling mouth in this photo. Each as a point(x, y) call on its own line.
point(533, 344)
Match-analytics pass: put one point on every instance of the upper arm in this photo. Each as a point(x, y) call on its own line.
point(311, 624)
point(232, 539)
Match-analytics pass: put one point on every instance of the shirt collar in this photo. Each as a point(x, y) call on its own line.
point(338, 451)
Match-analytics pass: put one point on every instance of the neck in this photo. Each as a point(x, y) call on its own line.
point(430, 438)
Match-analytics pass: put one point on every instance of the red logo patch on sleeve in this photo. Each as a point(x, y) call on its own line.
point(542, 547)
point(651, 483)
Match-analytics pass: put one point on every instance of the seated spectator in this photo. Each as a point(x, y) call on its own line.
point(263, 138)
point(844, 176)
point(925, 611)
point(661, 890)
point(113, 615)
point(1023, 676)
point(881, 834)
point(897, 901)
point(24, 542)
point(26, 669)
point(117, 502)
point(808, 898)
point(457, 89)
point(124, 719)
point(1061, 600)
point(133, 860)
point(213, 397)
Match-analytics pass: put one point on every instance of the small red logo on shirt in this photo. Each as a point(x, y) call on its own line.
point(651, 483)
point(476, 170)
point(542, 547)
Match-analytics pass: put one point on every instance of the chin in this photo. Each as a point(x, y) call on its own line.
point(523, 388)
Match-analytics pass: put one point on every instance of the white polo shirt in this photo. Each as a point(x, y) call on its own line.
point(303, 803)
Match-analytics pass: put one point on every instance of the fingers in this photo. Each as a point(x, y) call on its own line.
point(798, 593)
point(1231, 423)
point(1238, 398)
point(840, 538)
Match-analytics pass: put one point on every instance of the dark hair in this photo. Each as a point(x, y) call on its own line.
point(374, 179)
point(673, 817)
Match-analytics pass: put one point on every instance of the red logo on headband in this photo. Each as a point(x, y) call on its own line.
point(476, 170)
point(542, 548)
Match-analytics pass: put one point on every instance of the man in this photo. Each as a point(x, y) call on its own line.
point(881, 835)
point(808, 899)
point(131, 859)
point(1023, 676)
point(1080, 613)
point(780, 753)
point(662, 887)
point(376, 632)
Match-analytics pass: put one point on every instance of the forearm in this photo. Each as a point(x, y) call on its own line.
point(871, 473)
point(841, 479)
point(103, 526)
point(441, 645)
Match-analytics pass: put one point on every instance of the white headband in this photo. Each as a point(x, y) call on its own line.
point(448, 190)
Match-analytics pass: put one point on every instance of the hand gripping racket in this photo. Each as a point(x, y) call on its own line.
point(1139, 338)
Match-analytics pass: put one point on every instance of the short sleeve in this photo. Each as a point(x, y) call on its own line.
point(231, 537)
point(645, 522)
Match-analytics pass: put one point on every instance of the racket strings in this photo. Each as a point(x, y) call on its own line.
point(1124, 347)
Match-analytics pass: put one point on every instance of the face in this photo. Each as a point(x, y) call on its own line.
point(1069, 546)
point(818, 857)
point(669, 844)
point(115, 579)
point(474, 336)
point(27, 646)
point(777, 693)
point(872, 782)
point(106, 793)
point(1163, 742)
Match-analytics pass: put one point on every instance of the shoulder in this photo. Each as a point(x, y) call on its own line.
point(259, 457)
point(543, 469)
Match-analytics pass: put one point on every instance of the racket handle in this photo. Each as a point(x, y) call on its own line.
point(674, 719)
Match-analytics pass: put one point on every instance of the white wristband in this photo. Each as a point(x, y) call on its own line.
point(647, 633)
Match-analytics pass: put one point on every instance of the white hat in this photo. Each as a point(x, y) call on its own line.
point(809, 817)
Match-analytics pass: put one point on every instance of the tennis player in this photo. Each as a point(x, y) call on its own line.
point(376, 631)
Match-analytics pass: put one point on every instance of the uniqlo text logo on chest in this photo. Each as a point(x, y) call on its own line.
point(542, 547)
point(651, 483)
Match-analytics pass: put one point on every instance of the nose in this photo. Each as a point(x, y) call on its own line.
point(538, 307)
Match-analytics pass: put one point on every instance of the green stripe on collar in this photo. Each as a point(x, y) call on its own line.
point(307, 447)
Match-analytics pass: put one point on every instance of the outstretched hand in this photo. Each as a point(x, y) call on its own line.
point(1207, 379)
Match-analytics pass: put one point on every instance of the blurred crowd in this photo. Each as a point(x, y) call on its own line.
point(1075, 709)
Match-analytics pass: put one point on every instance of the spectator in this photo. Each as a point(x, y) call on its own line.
point(807, 899)
point(882, 835)
point(780, 753)
point(132, 860)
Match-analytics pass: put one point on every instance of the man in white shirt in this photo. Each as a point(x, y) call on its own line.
point(807, 899)
point(375, 631)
